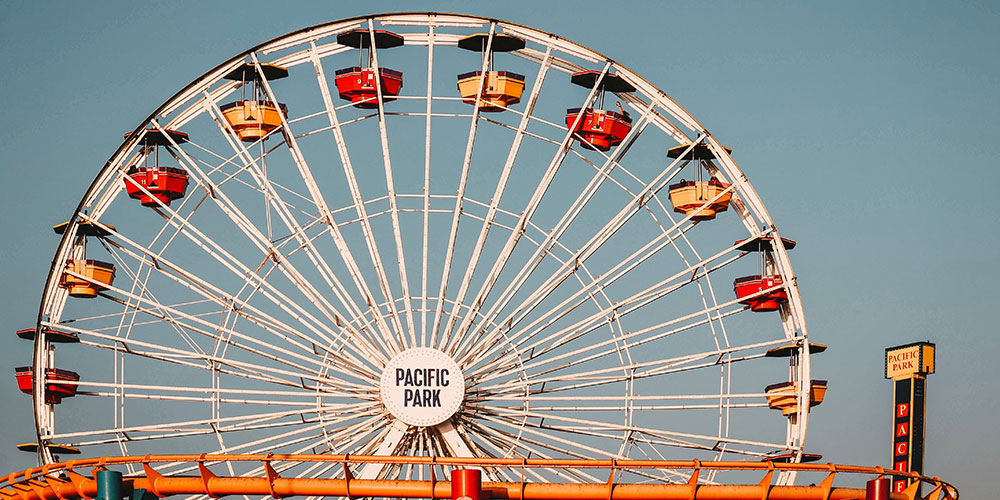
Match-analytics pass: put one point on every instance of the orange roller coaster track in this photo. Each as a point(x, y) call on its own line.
point(64, 481)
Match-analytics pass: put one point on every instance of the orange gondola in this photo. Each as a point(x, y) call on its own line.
point(700, 199)
point(255, 118)
point(96, 276)
point(784, 396)
point(496, 90)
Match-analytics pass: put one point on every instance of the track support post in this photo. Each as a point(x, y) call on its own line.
point(877, 489)
point(109, 485)
point(467, 484)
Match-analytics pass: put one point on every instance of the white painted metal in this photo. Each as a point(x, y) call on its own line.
point(256, 314)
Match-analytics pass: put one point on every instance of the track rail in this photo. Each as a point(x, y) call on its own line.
point(67, 481)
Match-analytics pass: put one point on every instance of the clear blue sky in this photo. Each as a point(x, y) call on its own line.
point(871, 131)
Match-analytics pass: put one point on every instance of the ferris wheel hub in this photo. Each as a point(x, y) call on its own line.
point(422, 386)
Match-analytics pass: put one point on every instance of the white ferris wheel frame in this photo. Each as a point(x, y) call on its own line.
point(654, 108)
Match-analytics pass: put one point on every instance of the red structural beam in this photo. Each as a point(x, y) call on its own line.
point(42, 483)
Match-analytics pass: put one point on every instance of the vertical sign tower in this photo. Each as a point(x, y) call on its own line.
point(908, 366)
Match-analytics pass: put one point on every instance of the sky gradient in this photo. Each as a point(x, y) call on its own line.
point(870, 132)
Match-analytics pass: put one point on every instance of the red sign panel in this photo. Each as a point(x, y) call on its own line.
point(907, 429)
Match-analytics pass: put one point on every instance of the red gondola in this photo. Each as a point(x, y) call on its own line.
point(161, 184)
point(598, 128)
point(361, 84)
point(357, 85)
point(56, 387)
point(165, 184)
point(750, 285)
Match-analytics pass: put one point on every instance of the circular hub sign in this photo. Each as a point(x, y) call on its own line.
point(422, 386)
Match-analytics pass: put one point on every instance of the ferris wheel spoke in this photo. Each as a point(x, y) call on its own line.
point(626, 399)
point(263, 242)
point(351, 433)
point(570, 215)
point(180, 359)
point(480, 243)
point(162, 397)
point(529, 209)
point(598, 429)
point(307, 438)
point(387, 444)
point(498, 193)
point(574, 300)
point(603, 376)
point(546, 436)
point(426, 194)
point(317, 327)
point(359, 204)
point(600, 348)
point(275, 200)
point(527, 447)
point(300, 161)
point(394, 209)
point(143, 291)
point(477, 450)
point(233, 424)
point(552, 236)
point(639, 472)
point(457, 213)
point(580, 256)
point(707, 277)
point(599, 318)
point(210, 363)
point(215, 332)
point(336, 442)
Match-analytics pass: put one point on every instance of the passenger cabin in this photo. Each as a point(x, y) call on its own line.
point(747, 289)
point(361, 84)
point(256, 117)
point(765, 291)
point(496, 90)
point(56, 388)
point(785, 396)
point(599, 129)
point(700, 199)
point(155, 184)
point(85, 278)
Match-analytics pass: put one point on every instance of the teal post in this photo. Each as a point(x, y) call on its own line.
point(109, 485)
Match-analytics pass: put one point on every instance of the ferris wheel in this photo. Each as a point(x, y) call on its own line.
point(422, 234)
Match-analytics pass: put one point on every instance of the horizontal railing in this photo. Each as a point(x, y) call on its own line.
point(65, 481)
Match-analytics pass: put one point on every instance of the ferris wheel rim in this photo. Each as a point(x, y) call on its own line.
point(744, 188)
